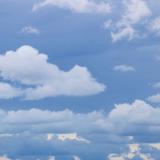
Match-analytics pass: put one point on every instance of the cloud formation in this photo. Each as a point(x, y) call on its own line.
point(30, 30)
point(79, 6)
point(72, 133)
point(124, 119)
point(41, 79)
point(154, 98)
point(124, 68)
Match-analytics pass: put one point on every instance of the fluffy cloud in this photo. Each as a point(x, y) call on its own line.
point(124, 68)
point(130, 119)
point(28, 67)
point(124, 119)
point(79, 6)
point(135, 11)
point(56, 130)
point(7, 91)
point(154, 98)
point(30, 30)
point(67, 137)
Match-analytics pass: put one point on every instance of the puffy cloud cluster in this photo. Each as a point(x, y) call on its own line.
point(79, 6)
point(37, 78)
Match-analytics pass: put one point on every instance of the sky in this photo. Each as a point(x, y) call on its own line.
point(79, 80)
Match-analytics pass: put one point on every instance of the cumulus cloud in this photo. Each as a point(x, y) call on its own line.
point(124, 124)
point(30, 30)
point(26, 66)
point(124, 68)
point(79, 6)
point(7, 91)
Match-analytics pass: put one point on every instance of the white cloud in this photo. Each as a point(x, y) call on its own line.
point(52, 158)
point(125, 119)
point(4, 158)
point(115, 157)
point(125, 32)
point(134, 151)
point(129, 119)
point(124, 68)
point(27, 66)
point(155, 25)
point(7, 91)
point(76, 158)
point(79, 6)
point(67, 137)
point(134, 13)
point(30, 30)
point(154, 98)
point(72, 137)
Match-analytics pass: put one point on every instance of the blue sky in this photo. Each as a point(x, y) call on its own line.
point(79, 80)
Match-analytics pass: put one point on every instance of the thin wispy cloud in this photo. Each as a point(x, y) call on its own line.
point(124, 68)
point(79, 6)
point(30, 30)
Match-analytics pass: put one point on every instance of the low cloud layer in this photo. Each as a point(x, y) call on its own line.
point(126, 120)
point(59, 130)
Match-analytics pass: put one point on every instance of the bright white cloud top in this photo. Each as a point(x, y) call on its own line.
point(26, 66)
